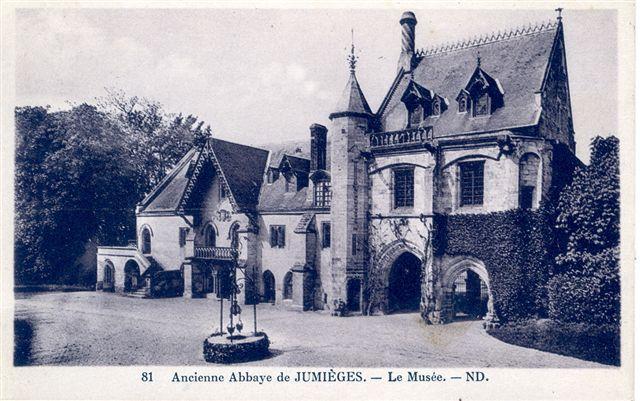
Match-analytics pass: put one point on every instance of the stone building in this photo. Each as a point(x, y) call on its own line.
point(467, 128)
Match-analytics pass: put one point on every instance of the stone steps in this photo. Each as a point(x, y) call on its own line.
point(140, 293)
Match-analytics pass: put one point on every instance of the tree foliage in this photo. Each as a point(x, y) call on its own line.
point(79, 175)
point(586, 287)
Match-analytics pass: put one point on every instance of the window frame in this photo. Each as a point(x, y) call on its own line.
point(277, 236)
point(475, 102)
point(322, 193)
point(326, 234)
point(477, 183)
point(408, 197)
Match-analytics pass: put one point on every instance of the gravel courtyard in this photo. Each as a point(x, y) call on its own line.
point(93, 328)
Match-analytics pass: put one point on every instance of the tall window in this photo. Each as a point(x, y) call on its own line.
point(471, 183)
point(481, 105)
point(435, 107)
point(287, 292)
point(209, 235)
point(403, 187)
point(326, 234)
point(223, 193)
point(277, 239)
point(234, 236)
point(354, 244)
point(322, 194)
point(528, 180)
point(146, 241)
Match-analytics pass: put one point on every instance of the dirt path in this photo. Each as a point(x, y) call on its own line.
point(89, 328)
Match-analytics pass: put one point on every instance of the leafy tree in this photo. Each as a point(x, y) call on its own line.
point(79, 175)
point(587, 285)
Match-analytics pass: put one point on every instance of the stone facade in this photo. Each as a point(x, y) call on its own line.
point(352, 224)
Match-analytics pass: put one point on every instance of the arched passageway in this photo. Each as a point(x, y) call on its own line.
point(470, 296)
point(269, 287)
point(131, 276)
point(404, 283)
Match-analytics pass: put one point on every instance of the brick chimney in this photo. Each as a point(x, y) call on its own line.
point(318, 147)
point(408, 22)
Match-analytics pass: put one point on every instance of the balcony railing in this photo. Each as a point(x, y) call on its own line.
point(214, 252)
point(400, 139)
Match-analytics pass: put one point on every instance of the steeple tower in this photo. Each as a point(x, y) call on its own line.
point(350, 123)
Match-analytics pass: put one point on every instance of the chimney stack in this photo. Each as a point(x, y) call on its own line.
point(318, 147)
point(408, 22)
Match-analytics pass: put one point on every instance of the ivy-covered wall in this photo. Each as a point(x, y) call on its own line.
point(517, 249)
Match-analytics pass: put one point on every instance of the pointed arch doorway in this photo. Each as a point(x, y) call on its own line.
point(404, 283)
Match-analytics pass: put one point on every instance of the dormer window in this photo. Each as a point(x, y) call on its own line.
point(435, 107)
point(481, 105)
point(416, 115)
point(482, 94)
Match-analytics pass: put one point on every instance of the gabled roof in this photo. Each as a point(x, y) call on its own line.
point(241, 168)
point(352, 99)
point(297, 164)
point(518, 60)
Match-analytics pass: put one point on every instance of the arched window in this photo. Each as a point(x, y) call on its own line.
point(435, 107)
point(287, 292)
point(209, 235)
point(416, 114)
point(528, 181)
point(146, 241)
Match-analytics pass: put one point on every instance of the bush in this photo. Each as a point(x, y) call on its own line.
point(591, 295)
point(598, 343)
point(516, 247)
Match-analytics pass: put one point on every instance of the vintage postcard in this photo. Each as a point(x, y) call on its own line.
point(318, 201)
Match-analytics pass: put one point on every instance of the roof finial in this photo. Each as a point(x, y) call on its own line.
point(352, 59)
point(479, 61)
point(559, 11)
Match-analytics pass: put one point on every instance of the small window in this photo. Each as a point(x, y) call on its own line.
point(234, 235)
point(223, 193)
point(209, 235)
point(435, 107)
point(276, 234)
point(462, 104)
point(481, 105)
point(416, 114)
point(403, 187)
point(326, 235)
point(526, 197)
point(183, 235)
point(322, 194)
point(146, 241)
point(471, 183)
point(272, 175)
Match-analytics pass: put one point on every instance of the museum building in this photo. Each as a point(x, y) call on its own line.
point(471, 127)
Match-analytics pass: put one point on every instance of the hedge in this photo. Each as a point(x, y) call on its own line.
point(516, 248)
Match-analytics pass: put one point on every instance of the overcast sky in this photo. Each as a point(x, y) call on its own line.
point(262, 76)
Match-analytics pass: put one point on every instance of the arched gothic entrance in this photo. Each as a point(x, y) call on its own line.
point(131, 276)
point(269, 287)
point(108, 281)
point(404, 283)
point(470, 296)
point(465, 290)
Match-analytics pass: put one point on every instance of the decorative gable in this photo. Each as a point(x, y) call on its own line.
point(482, 94)
point(421, 103)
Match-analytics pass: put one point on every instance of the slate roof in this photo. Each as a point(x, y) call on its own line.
point(242, 166)
point(273, 198)
point(518, 60)
point(298, 164)
point(352, 99)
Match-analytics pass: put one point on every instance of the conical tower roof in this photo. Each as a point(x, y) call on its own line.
point(352, 100)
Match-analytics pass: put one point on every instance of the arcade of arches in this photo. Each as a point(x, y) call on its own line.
point(459, 287)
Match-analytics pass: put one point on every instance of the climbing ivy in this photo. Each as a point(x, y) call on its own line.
point(518, 252)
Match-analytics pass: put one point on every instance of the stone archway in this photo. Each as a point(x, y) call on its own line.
point(397, 262)
point(269, 287)
point(451, 271)
point(131, 276)
point(405, 283)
